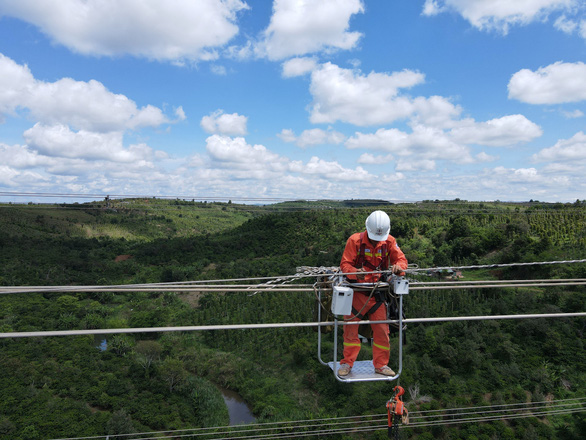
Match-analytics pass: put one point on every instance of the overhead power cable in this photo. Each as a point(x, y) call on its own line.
point(353, 424)
point(494, 266)
point(311, 272)
point(280, 325)
point(143, 196)
point(247, 426)
point(4, 290)
point(302, 272)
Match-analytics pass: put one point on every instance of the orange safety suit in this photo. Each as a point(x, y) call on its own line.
point(373, 254)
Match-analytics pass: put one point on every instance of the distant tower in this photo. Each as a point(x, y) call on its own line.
point(108, 202)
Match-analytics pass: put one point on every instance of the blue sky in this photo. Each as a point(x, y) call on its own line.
point(332, 99)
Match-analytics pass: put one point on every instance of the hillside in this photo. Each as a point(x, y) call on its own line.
point(66, 387)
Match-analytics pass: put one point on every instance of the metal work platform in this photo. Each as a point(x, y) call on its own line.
point(362, 371)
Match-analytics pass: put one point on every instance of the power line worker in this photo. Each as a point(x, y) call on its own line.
point(365, 252)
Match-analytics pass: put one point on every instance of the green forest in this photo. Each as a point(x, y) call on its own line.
point(80, 386)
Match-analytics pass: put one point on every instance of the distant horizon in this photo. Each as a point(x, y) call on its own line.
point(81, 198)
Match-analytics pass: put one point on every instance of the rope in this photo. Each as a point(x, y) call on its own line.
point(272, 284)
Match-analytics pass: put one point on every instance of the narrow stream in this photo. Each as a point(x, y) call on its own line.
point(237, 408)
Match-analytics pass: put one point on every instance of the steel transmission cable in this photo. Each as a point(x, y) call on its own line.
point(331, 426)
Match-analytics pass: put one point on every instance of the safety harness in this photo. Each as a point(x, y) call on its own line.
point(363, 252)
point(361, 261)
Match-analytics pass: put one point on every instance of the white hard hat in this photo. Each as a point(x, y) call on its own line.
point(378, 226)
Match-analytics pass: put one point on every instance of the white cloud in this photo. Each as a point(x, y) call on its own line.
point(298, 66)
point(318, 136)
point(287, 135)
point(499, 183)
point(565, 25)
point(424, 143)
point(22, 157)
point(330, 170)
point(355, 63)
point(415, 165)
point(315, 136)
point(374, 99)
point(483, 157)
point(571, 25)
point(498, 15)
point(218, 70)
point(501, 132)
point(573, 171)
point(431, 7)
point(15, 178)
point(77, 142)
point(169, 30)
point(393, 178)
point(235, 153)
point(83, 172)
point(347, 95)
point(180, 113)
point(420, 149)
point(87, 105)
point(301, 27)
point(334, 171)
point(573, 114)
point(370, 159)
point(240, 160)
point(435, 111)
point(223, 123)
point(83, 105)
point(16, 80)
point(525, 175)
point(565, 150)
point(7, 175)
point(60, 141)
point(554, 84)
point(240, 53)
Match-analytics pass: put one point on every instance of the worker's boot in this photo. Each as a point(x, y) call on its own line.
point(344, 370)
point(385, 371)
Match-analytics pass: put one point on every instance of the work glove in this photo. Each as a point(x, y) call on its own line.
point(397, 270)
